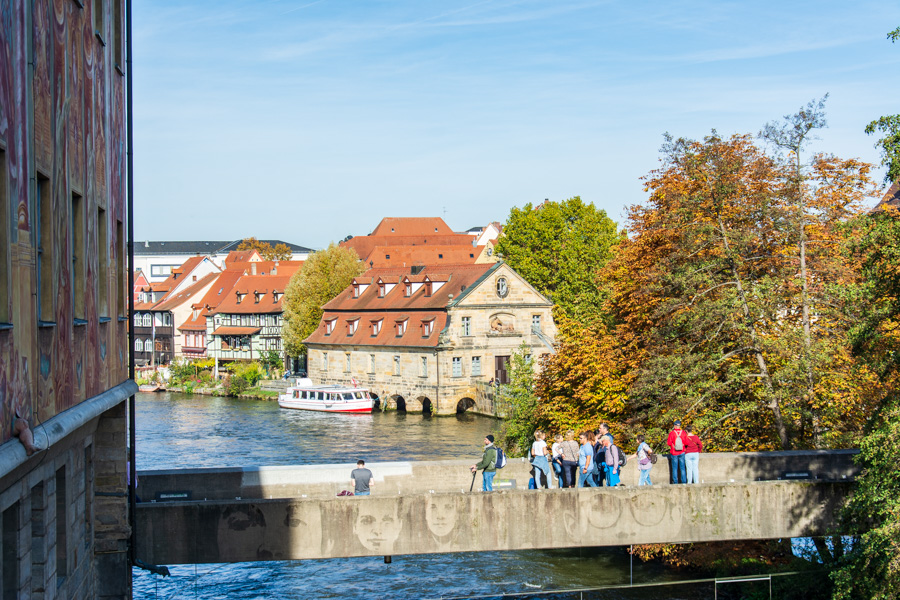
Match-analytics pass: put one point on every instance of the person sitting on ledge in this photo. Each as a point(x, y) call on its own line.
point(22, 430)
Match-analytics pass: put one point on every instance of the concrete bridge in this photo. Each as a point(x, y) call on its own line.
point(283, 513)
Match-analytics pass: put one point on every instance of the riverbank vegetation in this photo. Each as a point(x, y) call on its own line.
point(754, 296)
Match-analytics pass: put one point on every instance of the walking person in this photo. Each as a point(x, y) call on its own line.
point(556, 460)
point(598, 472)
point(488, 464)
point(693, 446)
point(540, 461)
point(361, 478)
point(612, 461)
point(570, 451)
point(675, 442)
point(644, 463)
point(586, 460)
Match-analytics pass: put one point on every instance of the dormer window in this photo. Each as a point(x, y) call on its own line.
point(408, 289)
point(351, 326)
point(196, 313)
point(240, 297)
point(257, 296)
point(401, 327)
point(329, 326)
point(427, 327)
point(381, 287)
point(376, 327)
point(427, 288)
point(356, 290)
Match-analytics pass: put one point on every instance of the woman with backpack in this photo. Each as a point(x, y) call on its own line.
point(569, 449)
point(613, 461)
point(539, 461)
point(645, 463)
point(693, 446)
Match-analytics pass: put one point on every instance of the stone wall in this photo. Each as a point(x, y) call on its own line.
point(65, 521)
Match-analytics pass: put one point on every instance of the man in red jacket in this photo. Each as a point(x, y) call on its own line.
point(676, 441)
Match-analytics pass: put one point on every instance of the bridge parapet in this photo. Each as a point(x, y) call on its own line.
point(283, 529)
point(393, 478)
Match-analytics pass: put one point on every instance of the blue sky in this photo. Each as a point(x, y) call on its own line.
point(309, 121)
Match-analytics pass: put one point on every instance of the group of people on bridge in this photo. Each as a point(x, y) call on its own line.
point(596, 460)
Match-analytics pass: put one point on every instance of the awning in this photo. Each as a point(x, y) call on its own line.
point(237, 330)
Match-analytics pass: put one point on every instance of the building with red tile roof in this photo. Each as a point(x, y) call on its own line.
point(247, 319)
point(407, 256)
point(891, 198)
point(425, 337)
point(402, 226)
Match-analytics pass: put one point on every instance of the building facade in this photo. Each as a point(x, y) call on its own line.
point(63, 296)
point(425, 338)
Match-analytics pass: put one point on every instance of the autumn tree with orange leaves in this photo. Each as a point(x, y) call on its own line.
point(725, 297)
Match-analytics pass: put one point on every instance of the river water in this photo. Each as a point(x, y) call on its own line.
point(186, 431)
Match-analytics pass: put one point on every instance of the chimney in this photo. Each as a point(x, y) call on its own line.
point(275, 268)
point(253, 268)
point(146, 244)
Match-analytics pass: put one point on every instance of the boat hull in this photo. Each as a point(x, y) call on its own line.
point(336, 407)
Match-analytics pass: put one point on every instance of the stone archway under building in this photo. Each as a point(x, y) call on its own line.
point(399, 402)
point(376, 400)
point(427, 407)
point(464, 404)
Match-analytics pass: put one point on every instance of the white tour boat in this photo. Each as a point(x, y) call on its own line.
point(326, 398)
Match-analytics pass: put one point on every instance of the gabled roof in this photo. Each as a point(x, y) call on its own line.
point(423, 226)
point(387, 336)
point(241, 256)
point(172, 301)
point(217, 293)
point(366, 243)
point(248, 284)
point(266, 267)
point(406, 256)
point(891, 198)
point(454, 279)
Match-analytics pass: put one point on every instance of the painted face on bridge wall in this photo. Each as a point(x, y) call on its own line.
point(441, 515)
point(377, 526)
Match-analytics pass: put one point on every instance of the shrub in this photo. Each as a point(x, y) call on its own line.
point(236, 385)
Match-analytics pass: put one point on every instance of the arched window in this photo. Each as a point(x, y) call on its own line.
point(138, 345)
point(147, 321)
point(137, 320)
point(148, 345)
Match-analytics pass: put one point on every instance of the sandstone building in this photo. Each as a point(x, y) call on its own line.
point(424, 338)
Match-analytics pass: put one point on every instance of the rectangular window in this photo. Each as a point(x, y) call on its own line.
point(117, 37)
point(62, 527)
point(457, 366)
point(325, 361)
point(88, 494)
point(396, 365)
point(44, 204)
point(5, 266)
point(11, 551)
point(346, 362)
point(98, 19)
point(103, 260)
point(476, 365)
point(424, 367)
point(121, 268)
point(38, 533)
point(78, 268)
point(371, 363)
point(535, 322)
point(351, 326)
point(467, 325)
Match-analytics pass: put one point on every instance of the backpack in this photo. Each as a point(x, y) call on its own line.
point(501, 458)
point(679, 443)
point(622, 458)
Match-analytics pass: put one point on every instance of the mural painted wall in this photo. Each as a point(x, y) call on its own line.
point(63, 147)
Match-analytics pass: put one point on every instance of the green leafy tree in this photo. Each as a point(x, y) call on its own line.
point(323, 276)
point(518, 427)
point(872, 568)
point(271, 359)
point(889, 126)
point(559, 248)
